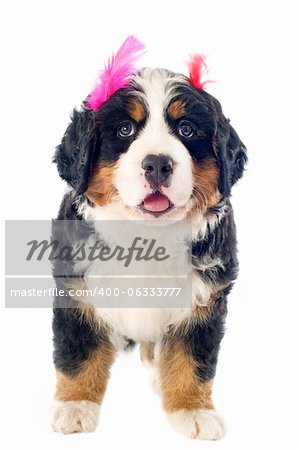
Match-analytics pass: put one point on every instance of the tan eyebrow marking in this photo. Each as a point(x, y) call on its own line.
point(136, 110)
point(177, 109)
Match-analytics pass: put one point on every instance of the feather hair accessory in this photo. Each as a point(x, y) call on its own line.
point(197, 70)
point(116, 73)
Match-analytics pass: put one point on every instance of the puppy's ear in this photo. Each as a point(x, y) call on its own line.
point(231, 154)
point(74, 156)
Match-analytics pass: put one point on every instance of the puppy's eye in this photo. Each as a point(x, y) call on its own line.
point(186, 130)
point(126, 129)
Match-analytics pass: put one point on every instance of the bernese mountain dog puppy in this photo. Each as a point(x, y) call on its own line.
point(158, 149)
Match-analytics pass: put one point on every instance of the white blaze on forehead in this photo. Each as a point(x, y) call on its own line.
point(158, 86)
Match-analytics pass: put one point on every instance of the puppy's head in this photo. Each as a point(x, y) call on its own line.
point(157, 149)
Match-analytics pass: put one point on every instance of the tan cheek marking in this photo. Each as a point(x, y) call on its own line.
point(176, 109)
point(180, 385)
point(91, 380)
point(205, 191)
point(101, 189)
point(136, 110)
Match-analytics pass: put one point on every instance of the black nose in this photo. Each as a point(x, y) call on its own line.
point(158, 170)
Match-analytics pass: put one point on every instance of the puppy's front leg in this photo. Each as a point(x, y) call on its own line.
point(82, 356)
point(187, 366)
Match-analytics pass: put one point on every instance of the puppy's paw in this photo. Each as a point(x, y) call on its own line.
point(75, 416)
point(198, 424)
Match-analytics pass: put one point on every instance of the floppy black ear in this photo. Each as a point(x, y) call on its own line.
point(74, 156)
point(231, 154)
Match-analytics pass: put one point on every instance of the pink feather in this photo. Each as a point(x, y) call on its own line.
point(197, 69)
point(116, 73)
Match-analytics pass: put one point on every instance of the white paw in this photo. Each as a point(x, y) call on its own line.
point(198, 424)
point(75, 416)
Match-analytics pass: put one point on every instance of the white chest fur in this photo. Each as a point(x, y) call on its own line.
point(148, 324)
point(142, 324)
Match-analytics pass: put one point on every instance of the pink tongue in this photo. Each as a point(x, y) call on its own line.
point(156, 202)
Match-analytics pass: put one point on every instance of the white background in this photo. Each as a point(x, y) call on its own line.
point(52, 53)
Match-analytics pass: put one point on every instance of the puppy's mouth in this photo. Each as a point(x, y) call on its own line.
point(156, 204)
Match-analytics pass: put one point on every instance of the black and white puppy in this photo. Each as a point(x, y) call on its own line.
point(159, 149)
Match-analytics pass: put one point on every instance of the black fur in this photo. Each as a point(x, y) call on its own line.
point(231, 154)
point(74, 339)
point(109, 117)
point(92, 138)
point(74, 156)
point(214, 137)
point(222, 244)
point(203, 339)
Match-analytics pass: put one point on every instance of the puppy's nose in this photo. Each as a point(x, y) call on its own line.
point(158, 170)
